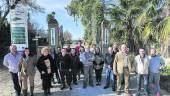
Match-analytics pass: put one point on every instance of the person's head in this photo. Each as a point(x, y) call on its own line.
point(87, 49)
point(45, 51)
point(153, 52)
point(58, 49)
point(110, 50)
point(13, 49)
point(115, 47)
point(142, 52)
point(82, 49)
point(93, 46)
point(97, 50)
point(79, 43)
point(26, 52)
point(124, 48)
point(63, 51)
point(127, 50)
point(68, 46)
point(73, 51)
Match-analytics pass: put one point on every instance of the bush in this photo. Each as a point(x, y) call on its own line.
point(166, 70)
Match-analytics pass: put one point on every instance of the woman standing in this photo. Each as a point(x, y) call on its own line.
point(98, 66)
point(45, 66)
point(27, 70)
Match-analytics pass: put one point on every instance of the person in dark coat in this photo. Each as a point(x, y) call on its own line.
point(64, 66)
point(75, 65)
point(98, 66)
point(109, 59)
point(45, 66)
point(56, 57)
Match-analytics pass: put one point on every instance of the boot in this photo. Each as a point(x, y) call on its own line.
point(62, 87)
point(45, 93)
point(49, 92)
point(24, 92)
point(32, 90)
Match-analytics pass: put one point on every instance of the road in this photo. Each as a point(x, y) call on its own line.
point(6, 88)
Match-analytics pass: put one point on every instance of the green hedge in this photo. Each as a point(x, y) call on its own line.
point(166, 70)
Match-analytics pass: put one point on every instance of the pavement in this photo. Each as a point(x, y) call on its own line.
point(6, 87)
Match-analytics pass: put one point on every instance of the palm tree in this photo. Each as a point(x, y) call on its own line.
point(137, 22)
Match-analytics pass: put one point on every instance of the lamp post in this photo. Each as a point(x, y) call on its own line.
point(36, 40)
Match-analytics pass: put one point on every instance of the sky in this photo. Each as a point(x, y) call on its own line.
point(58, 6)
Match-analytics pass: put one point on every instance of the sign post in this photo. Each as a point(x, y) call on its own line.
point(19, 27)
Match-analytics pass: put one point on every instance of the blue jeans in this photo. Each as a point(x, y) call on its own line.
point(154, 78)
point(142, 80)
point(110, 76)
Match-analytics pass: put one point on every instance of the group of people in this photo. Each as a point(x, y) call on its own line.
point(68, 63)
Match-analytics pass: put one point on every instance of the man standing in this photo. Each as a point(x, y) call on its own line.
point(141, 68)
point(156, 63)
point(11, 61)
point(87, 59)
point(109, 58)
point(122, 68)
point(65, 69)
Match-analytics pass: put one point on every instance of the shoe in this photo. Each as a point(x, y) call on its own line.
point(24, 92)
point(113, 89)
point(75, 83)
point(105, 87)
point(92, 85)
point(62, 88)
point(45, 93)
point(49, 92)
point(157, 94)
point(32, 90)
point(127, 94)
point(84, 87)
point(99, 83)
point(51, 86)
point(118, 93)
point(18, 93)
point(70, 88)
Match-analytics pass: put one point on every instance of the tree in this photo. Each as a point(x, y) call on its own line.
point(137, 22)
point(67, 37)
point(7, 5)
point(90, 12)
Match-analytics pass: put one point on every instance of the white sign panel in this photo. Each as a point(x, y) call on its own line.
point(52, 31)
point(19, 29)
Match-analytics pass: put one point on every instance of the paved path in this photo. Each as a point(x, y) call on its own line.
point(6, 88)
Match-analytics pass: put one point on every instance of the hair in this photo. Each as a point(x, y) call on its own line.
point(24, 56)
point(98, 49)
point(43, 49)
point(12, 46)
point(141, 48)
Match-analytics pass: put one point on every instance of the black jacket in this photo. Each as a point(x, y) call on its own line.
point(75, 62)
point(64, 62)
point(41, 64)
point(109, 59)
point(96, 62)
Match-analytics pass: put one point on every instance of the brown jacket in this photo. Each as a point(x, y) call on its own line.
point(27, 66)
point(118, 63)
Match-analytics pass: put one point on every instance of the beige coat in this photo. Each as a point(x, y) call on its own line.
point(118, 63)
point(27, 66)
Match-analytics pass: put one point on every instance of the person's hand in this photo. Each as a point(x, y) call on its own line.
point(69, 70)
point(108, 66)
point(42, 72)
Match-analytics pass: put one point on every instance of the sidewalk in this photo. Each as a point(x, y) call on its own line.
point(6, 88)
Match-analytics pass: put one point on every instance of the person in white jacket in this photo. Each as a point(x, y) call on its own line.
point(141, 68)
